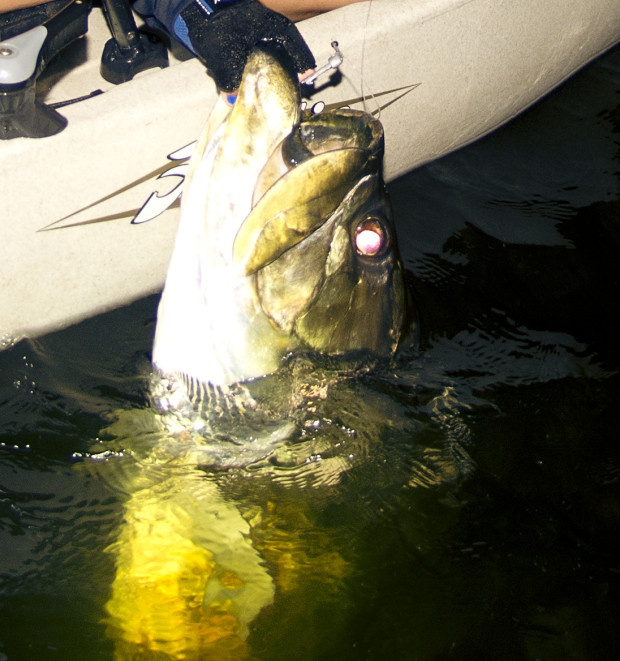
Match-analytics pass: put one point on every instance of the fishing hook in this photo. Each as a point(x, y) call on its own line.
point(333, 62)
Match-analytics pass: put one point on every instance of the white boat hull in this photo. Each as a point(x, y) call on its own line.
point(445, 73)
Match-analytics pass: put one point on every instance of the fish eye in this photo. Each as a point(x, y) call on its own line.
point(371, 238)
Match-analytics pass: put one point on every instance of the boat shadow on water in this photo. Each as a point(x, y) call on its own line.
point(458, 502)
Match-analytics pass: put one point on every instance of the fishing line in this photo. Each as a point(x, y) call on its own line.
point(362, 78)
point(359, 73)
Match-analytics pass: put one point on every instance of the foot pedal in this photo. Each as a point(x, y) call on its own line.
point(130, 51)
point(29, 39)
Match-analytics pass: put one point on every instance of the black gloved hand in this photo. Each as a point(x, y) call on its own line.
point(224, 39)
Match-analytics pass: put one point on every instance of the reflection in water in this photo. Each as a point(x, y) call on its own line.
point(209, 535)
point(188, 581)
point(462, 502)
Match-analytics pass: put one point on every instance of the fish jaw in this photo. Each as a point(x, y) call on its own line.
point(210, 326)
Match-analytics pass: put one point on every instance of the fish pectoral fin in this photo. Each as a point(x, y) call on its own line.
point(296, 205)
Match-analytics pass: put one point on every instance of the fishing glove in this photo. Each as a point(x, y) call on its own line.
point(222, 33)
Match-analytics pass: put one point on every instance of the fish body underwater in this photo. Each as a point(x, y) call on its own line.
point(286, 240)
point(285, 246)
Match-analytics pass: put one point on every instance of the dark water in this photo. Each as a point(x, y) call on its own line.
point(483, 520)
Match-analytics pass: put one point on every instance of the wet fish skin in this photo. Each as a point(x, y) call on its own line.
point(267, 259)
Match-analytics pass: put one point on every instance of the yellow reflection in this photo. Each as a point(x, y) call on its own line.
point(187, 580)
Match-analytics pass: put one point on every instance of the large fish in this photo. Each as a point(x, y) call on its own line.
point(285, 244)
point(286, 240)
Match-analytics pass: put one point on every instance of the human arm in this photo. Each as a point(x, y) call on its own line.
point(298, 10)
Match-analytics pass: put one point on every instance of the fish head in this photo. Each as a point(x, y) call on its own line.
point(286, 240)
point(320, 240)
